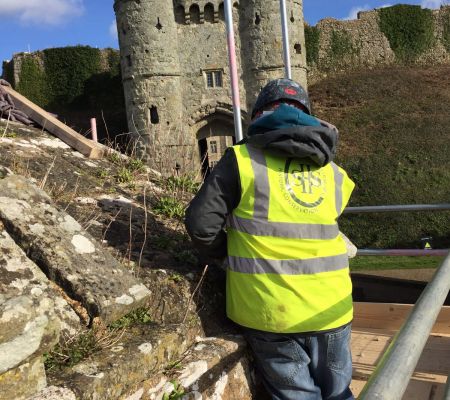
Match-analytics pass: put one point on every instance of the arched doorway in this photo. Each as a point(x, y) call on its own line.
point(213, 139)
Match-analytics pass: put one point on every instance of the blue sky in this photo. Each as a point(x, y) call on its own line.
point(39, 24)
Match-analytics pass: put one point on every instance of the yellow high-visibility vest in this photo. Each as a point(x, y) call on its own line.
point(287, 263)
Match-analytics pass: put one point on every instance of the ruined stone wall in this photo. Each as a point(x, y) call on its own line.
point(170, 50)
point(12, 69)
point(367, 46)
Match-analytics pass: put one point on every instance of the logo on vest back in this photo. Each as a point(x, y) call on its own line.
point(305, 185)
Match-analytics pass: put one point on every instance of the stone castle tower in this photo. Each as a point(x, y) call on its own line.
point(176, 77)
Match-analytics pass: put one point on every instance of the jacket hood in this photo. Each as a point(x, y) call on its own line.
point(315, 145)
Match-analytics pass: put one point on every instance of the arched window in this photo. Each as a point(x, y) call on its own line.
point(194, 12)
point(209, 13)
point(221, 12)
point(180, 15)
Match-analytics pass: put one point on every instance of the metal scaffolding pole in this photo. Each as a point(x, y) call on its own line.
point(403, 252)
point(393, 372)
point(407, 207)
point(285, 30)
point(233, 71)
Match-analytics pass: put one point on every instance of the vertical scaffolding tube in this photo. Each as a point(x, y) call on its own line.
point(233, 71)
point(285, 30)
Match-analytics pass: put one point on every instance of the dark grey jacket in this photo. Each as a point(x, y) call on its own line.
point(221, 192)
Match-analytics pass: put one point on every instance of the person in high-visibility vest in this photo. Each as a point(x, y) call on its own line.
point(270, 207)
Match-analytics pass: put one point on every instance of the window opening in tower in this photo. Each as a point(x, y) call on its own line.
point(213, 147)
point(218, 78)
point(154, 117)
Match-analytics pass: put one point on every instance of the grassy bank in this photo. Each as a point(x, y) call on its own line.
point(374, 263)
point(394, 141)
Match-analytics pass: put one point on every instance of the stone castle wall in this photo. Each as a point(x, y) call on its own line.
point(370, 46)
point(169, 51)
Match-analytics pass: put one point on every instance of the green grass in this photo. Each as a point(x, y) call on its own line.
point(372, 263)
point(392, 122)
point(141, 316)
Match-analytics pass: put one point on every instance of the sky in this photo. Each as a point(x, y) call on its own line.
point(30, 25)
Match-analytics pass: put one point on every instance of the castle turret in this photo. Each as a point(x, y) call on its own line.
point(150, 71)
point(262, 43)
point(176, 76)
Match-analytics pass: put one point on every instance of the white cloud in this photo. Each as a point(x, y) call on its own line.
point(50, 12)
point(353, 14)
point(113, 29)
point(433, 3)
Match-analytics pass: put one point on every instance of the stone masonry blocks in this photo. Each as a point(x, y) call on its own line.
point(66, 253)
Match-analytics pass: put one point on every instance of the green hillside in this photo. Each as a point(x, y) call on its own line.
point(395, 144)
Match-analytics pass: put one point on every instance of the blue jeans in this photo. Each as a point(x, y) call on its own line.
point(304, 367)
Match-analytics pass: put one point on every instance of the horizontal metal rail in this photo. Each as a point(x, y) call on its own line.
point(396, 208)
point(393, 372)
point(402, 252)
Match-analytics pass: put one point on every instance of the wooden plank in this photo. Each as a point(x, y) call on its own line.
point(430, 375)
point(85, 146)
point(390, 316)
point(368, 346)
point(416, 390)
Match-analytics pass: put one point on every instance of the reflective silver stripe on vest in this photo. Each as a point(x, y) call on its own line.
point(261, 183)
point(288, 267)
point(283, 229)
point(338, 181)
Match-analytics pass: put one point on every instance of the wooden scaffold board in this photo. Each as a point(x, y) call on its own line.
point(72, 138)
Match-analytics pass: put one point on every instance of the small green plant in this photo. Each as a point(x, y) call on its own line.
point(102, 173)
point(115, 158)
point(312, 40)
point(409, 29)
point(182, 183)
point(124, 175)
point(140, 316)
point(177, 393)
point(71, 352)
point(175, 277)
point(162, 242)
point(186, 256)
point(135, 164)
point(10, 134)
point(169, 207)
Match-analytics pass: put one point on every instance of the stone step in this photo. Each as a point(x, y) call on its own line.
point(30, 314)
point(142, 352)
point(19, 276)
point(66, 253)
point(213, 369)
point(23, 381)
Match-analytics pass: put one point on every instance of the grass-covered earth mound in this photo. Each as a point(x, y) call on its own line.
point(394, 127)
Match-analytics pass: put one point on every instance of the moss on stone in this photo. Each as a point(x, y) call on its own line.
point(409, 29)
point(33, 81)
point(312, 40)
point(341, 45)
point(68, 68)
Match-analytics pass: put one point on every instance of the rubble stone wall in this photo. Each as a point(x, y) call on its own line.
point(368, 46)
